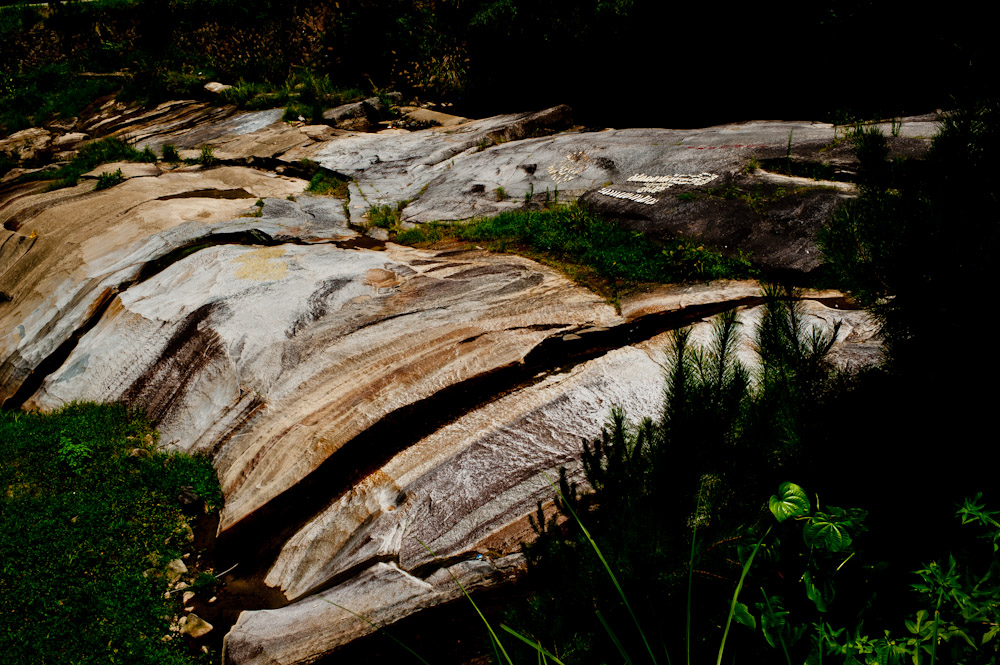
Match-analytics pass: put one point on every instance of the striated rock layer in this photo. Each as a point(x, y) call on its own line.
point(270, 359)
point(359, 398)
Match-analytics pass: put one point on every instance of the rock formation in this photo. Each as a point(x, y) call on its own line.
point(362, 399)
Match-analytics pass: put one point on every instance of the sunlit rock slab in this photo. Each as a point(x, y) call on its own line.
point(396, 167)
point(457, 487)
point(64, 254)
point(378, 596)
point(270, 359)
point(466, 487)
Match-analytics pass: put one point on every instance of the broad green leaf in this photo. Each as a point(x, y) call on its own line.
point(772, 619)
point(829, 535)
point(744, 617)
point(791, 501)
point(820, 592)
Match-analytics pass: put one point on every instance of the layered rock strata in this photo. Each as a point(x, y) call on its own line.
point(359, 398)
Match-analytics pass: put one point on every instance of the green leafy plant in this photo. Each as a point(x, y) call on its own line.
point(73, 452)
point(501, 194)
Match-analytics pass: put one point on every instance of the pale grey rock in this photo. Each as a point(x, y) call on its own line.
point(175, 569)
point(427, 116)
point(382, 594)
point(243, 136)
point(471, 485)
point(399, 166)
point(27, 143)
point(216, 87)
point(349, 111)
point(195, 626)
point(78, 247)
point(70, 139)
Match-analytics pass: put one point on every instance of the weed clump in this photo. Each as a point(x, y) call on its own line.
point(327, 183)
point(170, 154)
point(109, 179)
point(207, 157)
point(386, 216)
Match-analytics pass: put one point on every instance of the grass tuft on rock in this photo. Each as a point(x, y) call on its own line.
point(88, 158)
point(589, 249)
point(90, 515)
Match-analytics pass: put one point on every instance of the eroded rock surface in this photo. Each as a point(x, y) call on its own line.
point(270, 359)
point(358, 397)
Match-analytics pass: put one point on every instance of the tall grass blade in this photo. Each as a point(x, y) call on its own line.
point(380, 629)
point(474, 606)
point(534, 645)
point(607, 568)
point(687, 630)
point(736, 594)
point(614, 638)
point(781, 638)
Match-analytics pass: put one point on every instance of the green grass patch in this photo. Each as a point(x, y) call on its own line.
point(386, 216)
point(89, 158)
point(590, 249)
point(303, 93)
point(87, 507)
point(327, 183)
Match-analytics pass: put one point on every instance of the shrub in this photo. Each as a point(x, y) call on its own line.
point(87, 159)
point(109, 179)
point(169, 152)
point(207, 157)
point(904, 247)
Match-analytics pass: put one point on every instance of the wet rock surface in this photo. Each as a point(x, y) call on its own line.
point(358, 397)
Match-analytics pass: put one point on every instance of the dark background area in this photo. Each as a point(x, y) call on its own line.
point(621, 63)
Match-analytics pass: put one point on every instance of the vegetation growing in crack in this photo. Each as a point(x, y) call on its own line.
point(386, 216)
point(87, 159)
point(591, 250)
point(327, 183)
point(91, 516)
point(109, 179)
